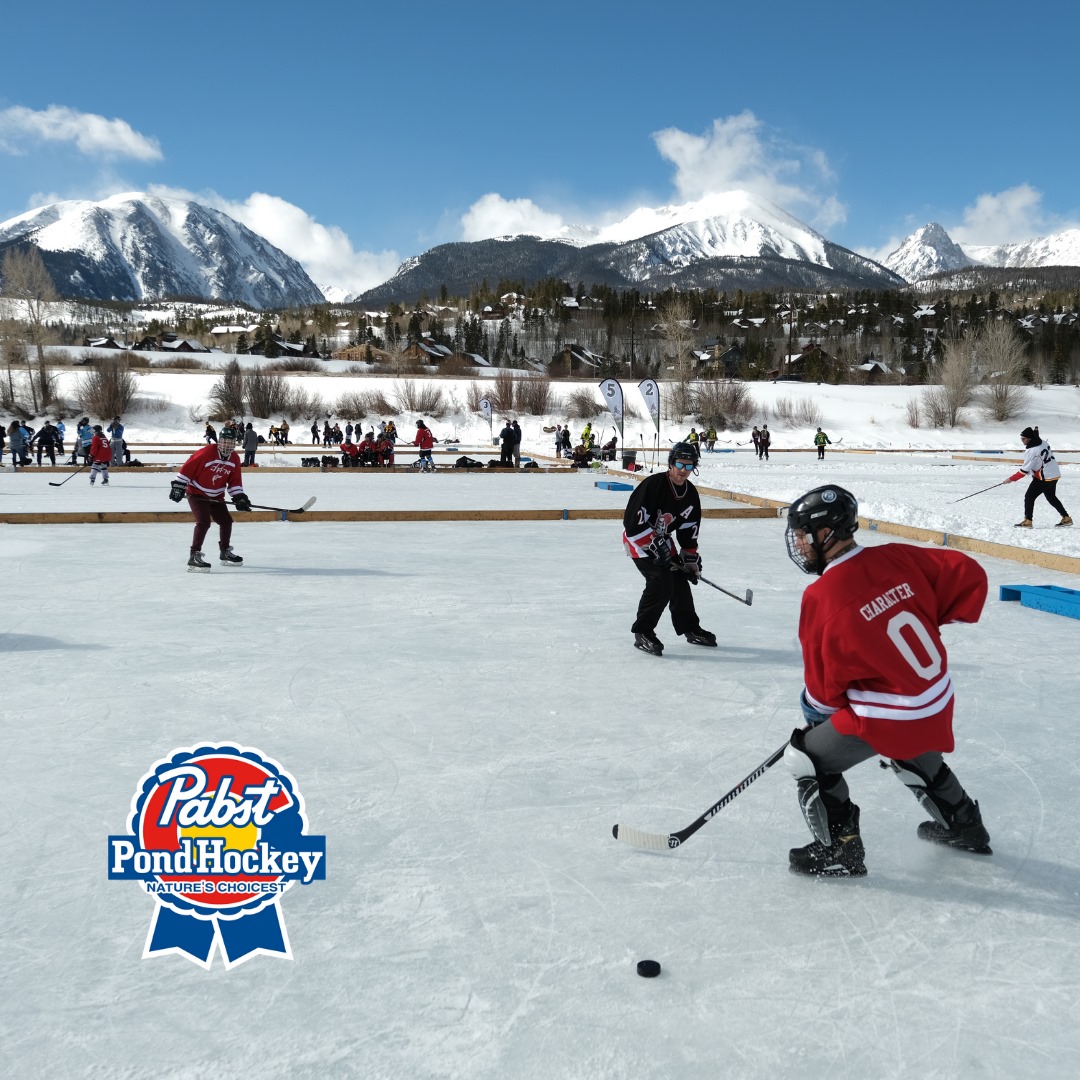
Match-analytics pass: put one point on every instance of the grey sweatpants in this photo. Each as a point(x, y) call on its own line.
point(833, 754)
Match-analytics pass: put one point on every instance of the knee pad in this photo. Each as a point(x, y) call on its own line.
point(808, 782)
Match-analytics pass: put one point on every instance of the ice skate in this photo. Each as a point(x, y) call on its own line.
point(701, 637)
point(1025, 524)
point(197, 564)
point(648, 642)
point(1066, 520)
point(843, 858)
point(966, 831)
point(229, 557)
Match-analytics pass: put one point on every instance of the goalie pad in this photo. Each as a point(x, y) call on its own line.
point(919, 783)
point(806, 778)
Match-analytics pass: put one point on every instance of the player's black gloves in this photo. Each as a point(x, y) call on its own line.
point(177, 490)
point(691, 562)
point(660, 550)
point(241, 501)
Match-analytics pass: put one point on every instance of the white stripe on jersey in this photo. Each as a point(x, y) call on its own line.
point(898, 707)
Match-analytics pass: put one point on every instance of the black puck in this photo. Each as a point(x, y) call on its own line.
point(648, 969)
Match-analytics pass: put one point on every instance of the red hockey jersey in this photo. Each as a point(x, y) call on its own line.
point(872, 653)
point(210, 475)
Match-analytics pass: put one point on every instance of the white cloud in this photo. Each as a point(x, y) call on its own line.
point(737, 152)
point(324, 251)
point(93, 135)
point(1006, 217)
point(492, 215)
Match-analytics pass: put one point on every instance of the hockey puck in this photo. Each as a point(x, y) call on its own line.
point(648, 969)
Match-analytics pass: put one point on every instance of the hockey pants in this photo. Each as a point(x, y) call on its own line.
point(205, 511)
point(1042, 487)
point(663, 587)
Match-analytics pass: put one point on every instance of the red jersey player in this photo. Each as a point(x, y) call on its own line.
point(877, 678)
point(205, 478)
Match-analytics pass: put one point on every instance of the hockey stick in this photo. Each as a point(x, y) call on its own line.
point(258, 506)
point(659, 842)
point(747, 600)
point(67, 478)
point(974, 493)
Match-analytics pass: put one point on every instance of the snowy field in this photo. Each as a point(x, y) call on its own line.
point(465, 716)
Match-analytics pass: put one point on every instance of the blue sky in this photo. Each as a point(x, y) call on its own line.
point(355, 135)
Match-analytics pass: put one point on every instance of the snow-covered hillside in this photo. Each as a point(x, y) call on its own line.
point(135, 246)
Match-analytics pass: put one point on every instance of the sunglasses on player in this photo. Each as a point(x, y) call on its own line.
point(686, 466)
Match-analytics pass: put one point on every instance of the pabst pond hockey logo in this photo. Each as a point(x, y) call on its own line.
point(217, 835)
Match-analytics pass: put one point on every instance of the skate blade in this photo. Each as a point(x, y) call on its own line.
point(198, 569)
point(830, 872)
point(985, 850)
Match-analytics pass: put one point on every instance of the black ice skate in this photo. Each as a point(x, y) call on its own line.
point(701, 637)
point(229, 557)
point(843, 858)
point(965, 832)
point(197, 564)
point(648, 642)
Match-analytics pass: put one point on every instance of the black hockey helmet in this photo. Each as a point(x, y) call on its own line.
point(830, 507)
point(682, 450)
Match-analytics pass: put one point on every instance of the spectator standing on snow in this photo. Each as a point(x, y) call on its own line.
point(16, 444)
point(315, 433)
point(876, 679)
point(251, 444)
point(1040, 464)
point(46, 440)
point(506, 453)
point(85, 437)
point(764, 439)
point(821, 440)
point(210, 435)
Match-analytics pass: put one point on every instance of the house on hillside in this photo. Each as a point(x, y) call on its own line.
point(105, 343)
point(178, 345)
point(573, 358)
point(812, 364)
point(425, 351)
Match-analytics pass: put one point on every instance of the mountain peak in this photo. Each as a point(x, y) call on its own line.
point(929, 250)
point(133, 246)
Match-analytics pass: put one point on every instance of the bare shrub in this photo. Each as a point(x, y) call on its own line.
point(197, 414)
point(582, 405)
point(503, 394)
point(267, 393)
point(957, 374)
point(1000, 354)
point(294, 363)
point(151, 403)
point(912, 410)
point(305, 405)
point(476, 393)
point(179, 363)
point(805, 412)
point(351, 406)
point(135, 360)
point(678, 398)
point(724, 405)
point(415, 395)
point(534, 395)
point(107, 389)
point(227, 394)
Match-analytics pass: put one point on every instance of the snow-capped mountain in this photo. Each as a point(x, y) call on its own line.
point(1058, 249)
point(136, 247)
point(728, 241)
point(929, 250)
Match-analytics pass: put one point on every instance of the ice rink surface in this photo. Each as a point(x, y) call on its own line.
point(466, 719)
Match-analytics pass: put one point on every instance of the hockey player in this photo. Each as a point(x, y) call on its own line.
point(425, 440)
point(1039, 463)
point(821, 440)
point(100, 455)
point(665, 508)
point(205, 478)
point(877, 679)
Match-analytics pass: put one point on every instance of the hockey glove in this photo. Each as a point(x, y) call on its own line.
point(177, 490)
point(241, 501)
point(691, 562)
point(660, 550)
point(812, 716)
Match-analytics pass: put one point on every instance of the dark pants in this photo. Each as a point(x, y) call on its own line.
point(663, 587)
point(506, 455)
point(205, 511)
point(764, 451)
point(1042, 487)
point(249, 457)
point(821, 453)
point(50, 450)
point(833, 754)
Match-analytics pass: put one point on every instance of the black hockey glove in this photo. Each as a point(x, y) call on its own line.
point(691, 563)
point(660, 550)
point(177, 490)
point(241, 501)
